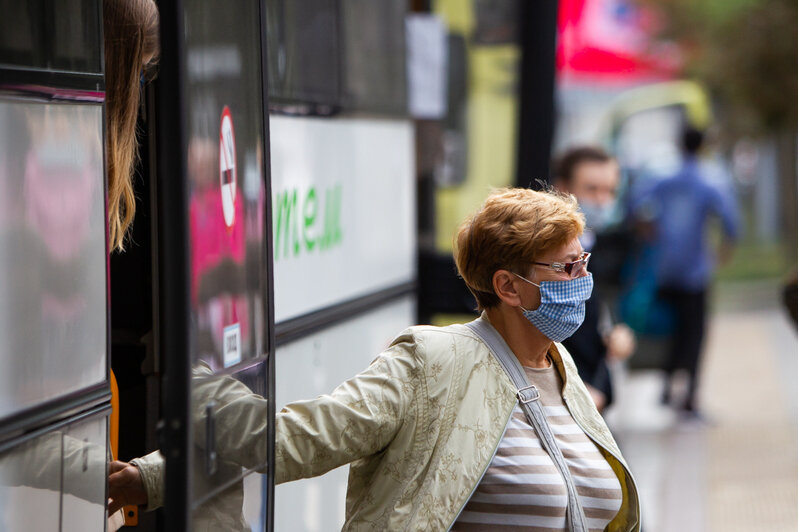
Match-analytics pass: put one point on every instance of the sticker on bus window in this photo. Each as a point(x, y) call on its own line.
point(231, 345)
point(227, 167)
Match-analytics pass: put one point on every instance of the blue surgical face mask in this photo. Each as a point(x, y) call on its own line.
point(597, 217)
point(562, 306)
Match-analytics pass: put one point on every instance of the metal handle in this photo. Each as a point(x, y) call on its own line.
point(211, 462)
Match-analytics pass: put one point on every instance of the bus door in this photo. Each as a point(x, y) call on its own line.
point(478, 146)
point(54, 381)
point(213, 265)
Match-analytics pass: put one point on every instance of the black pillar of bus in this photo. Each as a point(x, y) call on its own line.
point(173, 268)
point(268, 260)
point(536, 117)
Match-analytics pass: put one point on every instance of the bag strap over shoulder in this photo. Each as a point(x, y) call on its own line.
point(529, 399)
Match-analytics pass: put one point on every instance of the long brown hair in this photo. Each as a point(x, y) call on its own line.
point(131, 37)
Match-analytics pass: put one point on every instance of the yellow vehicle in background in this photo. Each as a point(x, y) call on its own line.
point(485, 117)
point(474, 149)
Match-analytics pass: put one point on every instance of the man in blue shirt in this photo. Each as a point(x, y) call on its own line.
point(681, 207)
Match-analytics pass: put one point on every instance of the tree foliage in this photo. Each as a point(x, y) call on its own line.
point(746, 51)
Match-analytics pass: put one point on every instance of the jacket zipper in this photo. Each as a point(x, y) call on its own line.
point(626, 469)
point(492, 456)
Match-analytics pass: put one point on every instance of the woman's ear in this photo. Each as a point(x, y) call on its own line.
point(504, 286)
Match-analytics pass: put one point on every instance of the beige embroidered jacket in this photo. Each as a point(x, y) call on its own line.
point(419, 426)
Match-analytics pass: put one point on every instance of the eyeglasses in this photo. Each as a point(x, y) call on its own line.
point(572, 269)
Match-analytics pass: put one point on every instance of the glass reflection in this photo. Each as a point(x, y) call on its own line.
point(225, 448)
point(61, 470)
point(85, 452)
point(30, 483)
point(247, 497)
point(51, 34)
point(226, 219)
point(52, 252)
point(218, 278)
point(374, 51)
point(304, 51)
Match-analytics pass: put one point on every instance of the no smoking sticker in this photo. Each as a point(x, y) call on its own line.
point(227, 167)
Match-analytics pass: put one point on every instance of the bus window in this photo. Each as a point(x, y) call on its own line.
point(303, 54)
point(52, 252)
point(56, 481)
point(374, 56)
point(327, 56)
point(30, 485)
point(225, 266)
point(53, 35)
point(496, 21)
point(84, 471)
point(54, 390)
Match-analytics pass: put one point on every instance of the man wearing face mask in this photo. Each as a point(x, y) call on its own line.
point(592, 176)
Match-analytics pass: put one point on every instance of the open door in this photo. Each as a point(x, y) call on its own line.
point(214, 258)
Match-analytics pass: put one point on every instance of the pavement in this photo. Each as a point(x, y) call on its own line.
point(736, 469)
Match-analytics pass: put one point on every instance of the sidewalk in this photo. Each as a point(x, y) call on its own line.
point(740, 471)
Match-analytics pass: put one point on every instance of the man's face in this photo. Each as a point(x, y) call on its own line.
point(595, 182)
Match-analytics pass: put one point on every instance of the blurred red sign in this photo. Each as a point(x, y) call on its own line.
point(611, 41)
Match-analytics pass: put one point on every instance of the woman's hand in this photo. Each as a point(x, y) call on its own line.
point(125, 486)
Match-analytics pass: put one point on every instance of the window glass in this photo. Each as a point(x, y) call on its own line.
point(496, 21)
point(51, 34)
point(375, 76)
point(226, 183)
point(85, 469)
point(226, 209)
point(329, 55)
point(304, 52)
point(56, 481)
point(30, 485)
point(52, 252)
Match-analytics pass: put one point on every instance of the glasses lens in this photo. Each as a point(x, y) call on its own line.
point(577, 268)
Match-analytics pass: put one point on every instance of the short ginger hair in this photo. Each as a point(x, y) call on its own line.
point(512, 229)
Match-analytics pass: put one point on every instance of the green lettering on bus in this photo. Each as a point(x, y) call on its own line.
point(305, 225)
point(284, 209)
point(309, 210)
point(332, 217)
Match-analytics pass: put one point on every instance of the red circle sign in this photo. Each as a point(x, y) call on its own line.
point(227, 167)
